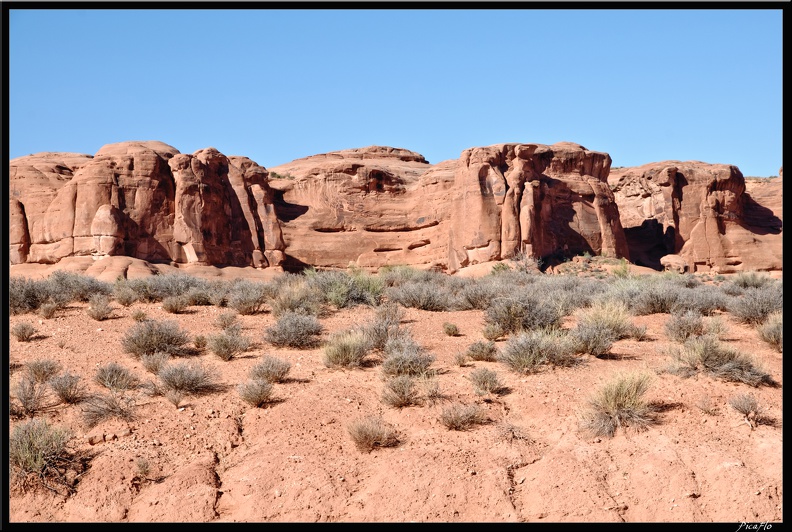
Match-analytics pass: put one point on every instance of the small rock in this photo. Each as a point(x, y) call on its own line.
point(99, 329)
point(277, 493)
point(111, 437)
point(93, 439)
point(472, 472)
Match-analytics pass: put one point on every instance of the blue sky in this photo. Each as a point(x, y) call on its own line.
point(276, 85)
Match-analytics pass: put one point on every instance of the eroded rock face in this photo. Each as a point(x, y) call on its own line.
point(702, 212)
point(144, 200)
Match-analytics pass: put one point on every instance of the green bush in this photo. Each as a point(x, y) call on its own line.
point(432, 296)
point(293, 294)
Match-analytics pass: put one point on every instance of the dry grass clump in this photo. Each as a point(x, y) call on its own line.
point(485, 381)
point(270, 369)
point(47, 310)
point(175, 304)
point(403, 356)
point(139, 315)
point(527, 351)
point(155, 361)
point(124, 295)
point(228, 344)
point(30, 396)
point(704, 299)
point(256, 393)
point(450, 329)
point(226, 319)
point(610, 314)
point(431, 294)
point(294, 330)
point(343, 289)
point(187, 378)
point(23, 331)
point(99, 307)
point(524, 313)
point(386, 322)
point(751, 279)
point(115, 377)
point(400, 391)
point(483, 351)
point(705, 405)
point(346, 349)
point(148, 337)
point(68, 388)
point(706, 354)
point(619, 403)
point(492, 331)
point(372, 432)
point(747, 405)
point(756, 304)
point(37, 453)
point(98, 408)
point(462, 417)
point(658, 296)
point(771, 331)
point(42, 369)
point(293, 294)
point(683, 325)
point(248, 297)
point(26, 295)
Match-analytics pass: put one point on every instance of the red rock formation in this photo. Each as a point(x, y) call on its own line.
point(701, 212)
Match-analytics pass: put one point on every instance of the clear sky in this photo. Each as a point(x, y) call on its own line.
point(277, 85)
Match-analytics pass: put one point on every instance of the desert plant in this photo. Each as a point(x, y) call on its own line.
point(403, 356)
point(294, 330)
point(198, 296)
point(155, 361)
point(431, 295)
point(527, 351)
point(99, 307)
point(385, 325)
point(292, 294)
point(174, 397)
point(400, 391)
point(485, 381)
point(124, 295)
point(26, 295)
point(200, 341)
point(450, 329)
point(248, 297)
point(747, 405)
point(116, 377)
point(771, 331)
point(23, 331)
point(610, 314)
point(30, 396)
point(346, 349)
point(708, 355)
point(594, 338)
point(515, 314)
point(461, 359)
point(704, 299)
point(619, 403)
point(751, 279)
point(492, 331)
point(68, 388)
point(37, 449)
point(756, 304)
point(656, 297)
point(705, 405)
point(72, 286)
point(478, 294)
point(47, 310)
point(139, 315)
point(98, 408)
point(371, 432)
point(461, 417)
point(228, 345)
point(187, 378)
point(270, 369)
point(683, 325)
point(483, 351)
point(147, 337)
point(226, 319)
point(175, 304)
point(42, 369)
point(622, 270)
point(256, 393)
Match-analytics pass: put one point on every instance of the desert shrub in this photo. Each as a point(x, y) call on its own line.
point(175, 304)
point(397, 275)
point(292, 294)
point(217, 292)
point(706, 354)
point(343, 290)
point(619, 403)
point(450, 329)
point(431, 296)
point(771, 331)
point(607, 314)
point(524, 313)
point(98, 408)
point(23, 331)
point(147, 337)
point(461, 417)
point(38, 449)
point(704, 299)
point(174, 397)
point(42, 369)
point(567, 292)
point(407, 363)
point(621, 271)
point(756, 304)
point(139, 315)
point(99, 307)
point(226, 319)
point(187, 378)
point(72, 286)
point(485, 381)
point(527, 351)
point(705, 405)
point(47, 310)
point(485, 351)
point(384, 325)
point(158, 287)
point(26, 295)
point(228, 345)
point(747, 405)
point(270, 369)
point(124, 294)
point(256, 393)
point(400, 391)
point(461, 359)
point(155, 361)
point(198, 296)
point(371, 432)
point(68, 388)
point(248, 297)
point(681, 326)
point(657, 297)
point(116, 377)
point(479, 295)
point(492, 331)
point(294, 330)
point(751, 279)
point(200, 341)
point(594, 338)
point(499, 268)
point(346, 349)
point(30, 396)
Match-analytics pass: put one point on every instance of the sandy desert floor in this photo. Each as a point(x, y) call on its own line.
point(218, 459)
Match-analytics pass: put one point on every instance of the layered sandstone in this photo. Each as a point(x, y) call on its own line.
point(707, 214)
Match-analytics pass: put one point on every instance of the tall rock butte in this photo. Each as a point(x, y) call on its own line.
point(380, 206)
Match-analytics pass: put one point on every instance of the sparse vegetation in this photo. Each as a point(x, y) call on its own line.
point(346, 349)
point(30, 396)
point(527, 351)
point(155, 361)
point(492, 331)
point(256, 393)
point(23, 331)
point(115, 377)
point(485, 381)
point(248, 297)
point(48, 310)
point(270, 369)
point(175, 304)
point(139, 315)
point(483, 351)
point(187, 378)
point(747, 405)
point(756, 304)
point(148, 337)
point(294, 330)
point(99, 307)
point(98, 408)
point(42, 370)
point(226, 319)
point(68, 388)
point(37, 453)
point(619, 404)
point(400, 391)
point(525, 313)
point(684, 325)
point(706, 354)
point(450, 329)
point(228, 345)
point(461, 417)
point(371, 432)
point(771, 331)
